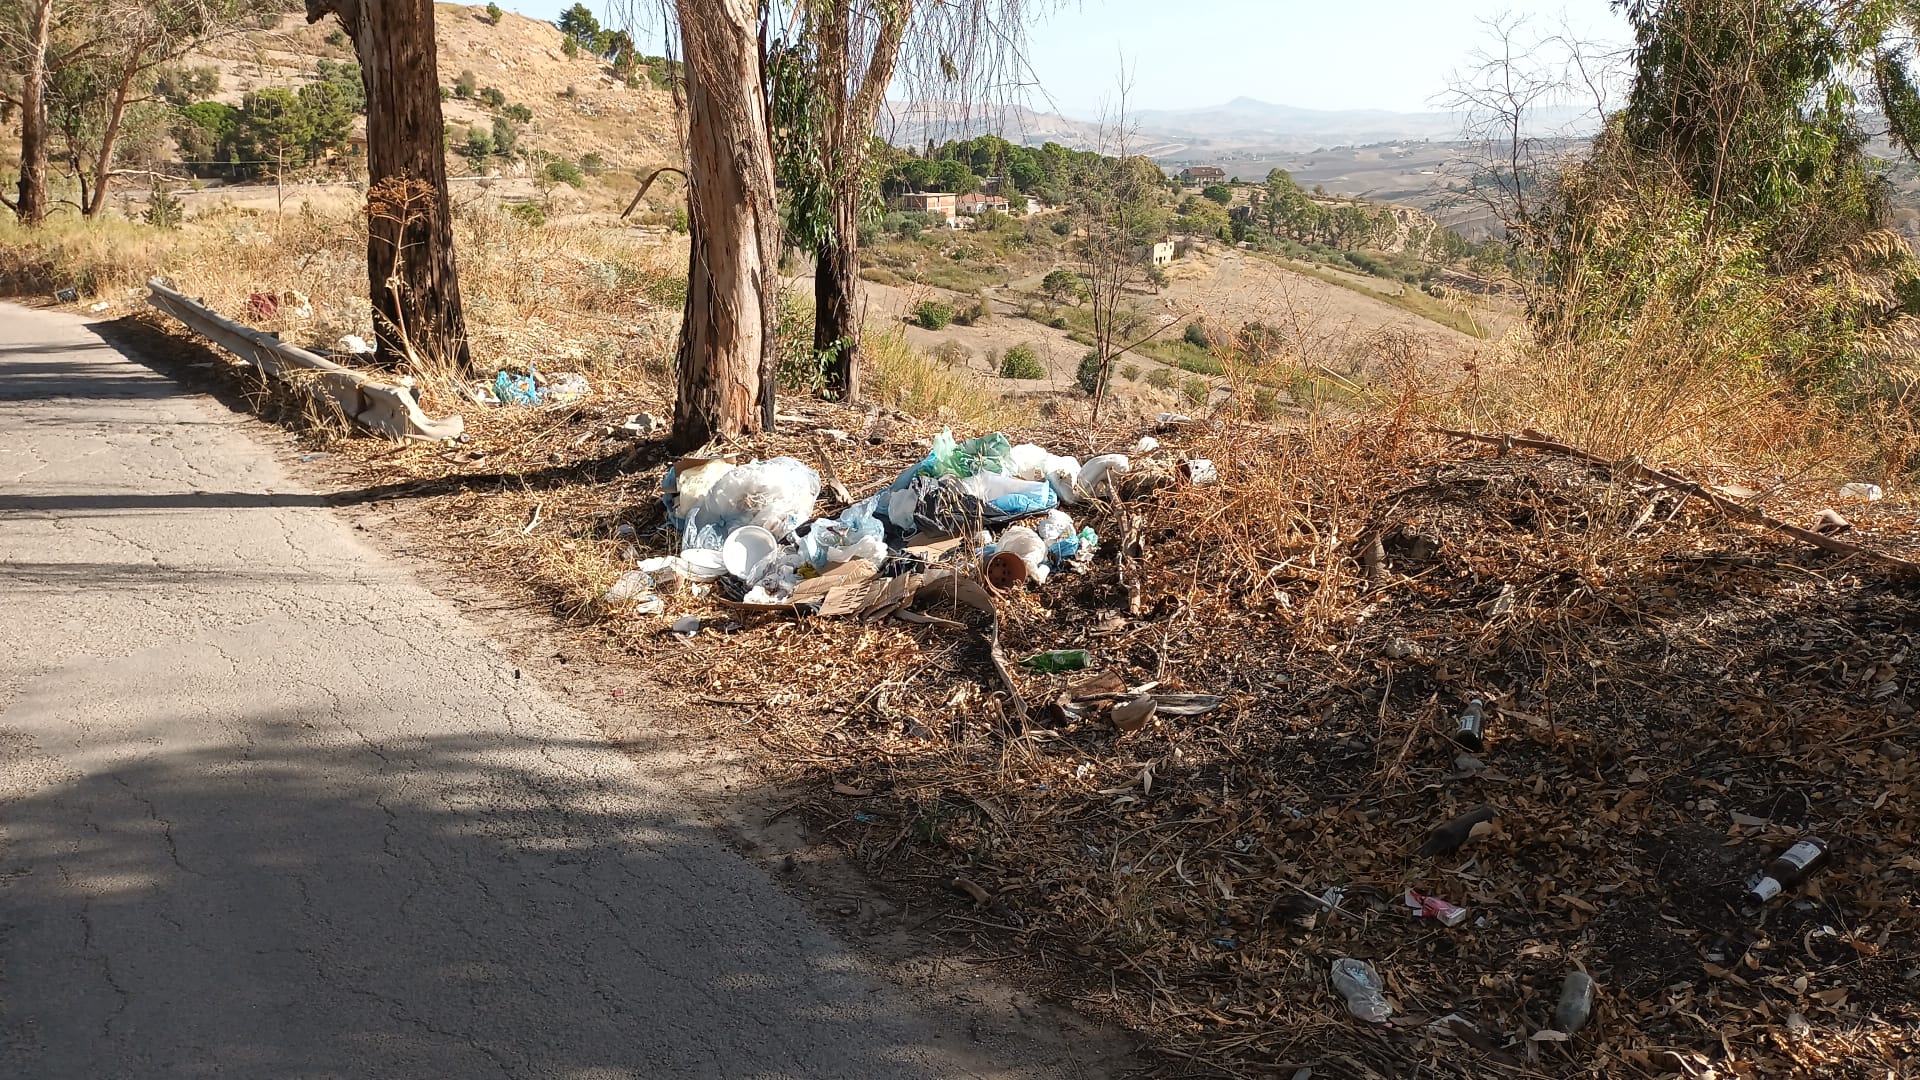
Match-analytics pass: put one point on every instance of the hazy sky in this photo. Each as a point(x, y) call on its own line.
point(1344, 54)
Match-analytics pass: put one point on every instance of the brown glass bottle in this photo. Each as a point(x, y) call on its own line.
point(1791, 867)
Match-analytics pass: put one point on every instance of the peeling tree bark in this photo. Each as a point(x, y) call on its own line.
point(31, 204)
point(394, 42)
point(854, 92)
point(726, 354)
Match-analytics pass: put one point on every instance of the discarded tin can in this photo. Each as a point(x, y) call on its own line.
point(1432, 907)
point(1472, 733)
point(1789, 868)
point(1057, 661)
point(1576, 1003)
point(1360, 984)
point(1199, 472)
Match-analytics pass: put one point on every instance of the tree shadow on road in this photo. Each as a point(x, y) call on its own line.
point(306, 903)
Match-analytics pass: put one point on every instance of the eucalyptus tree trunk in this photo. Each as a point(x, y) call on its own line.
point(852, 99)
point(31, 204)
point(726, 356)
point(411, 275)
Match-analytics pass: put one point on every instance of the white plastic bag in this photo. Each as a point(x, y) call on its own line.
point(1097, 475)
point(776, 495)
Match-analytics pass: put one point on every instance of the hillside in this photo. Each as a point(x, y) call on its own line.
point(578, 107)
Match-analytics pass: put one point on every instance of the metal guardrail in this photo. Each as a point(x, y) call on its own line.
point(383, 408)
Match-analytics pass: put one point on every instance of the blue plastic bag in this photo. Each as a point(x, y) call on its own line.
point(517, 389)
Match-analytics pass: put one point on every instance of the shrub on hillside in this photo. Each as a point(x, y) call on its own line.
point(1196, 335)
point(1131, 372)
point(565, 172)
point(494, 14)
point(1160, 378)
point(1089, 374)
point(1021, 362)
point(932, 314)
point(1196, 390)
point(952, 354)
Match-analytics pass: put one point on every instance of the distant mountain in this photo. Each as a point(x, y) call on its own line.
point(1241, 128)
point(1245, 121)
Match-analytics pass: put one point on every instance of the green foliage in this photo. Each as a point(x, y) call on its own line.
point(973, 314)
point(565, 172)
point(517, 113)
point(337, 38)
point(1161, 378)
point(1219, 193)
point(182, 86)
point(570, 48)
point(1196, 390)
point(1060, 285)
point(1267, 403)
point(494, 14)
point(526, 213)
point(1088, 375)
point(798, 367)
point(932, 314)
point(200, 129)
point(580, 25)
point(677, 220)
point(478, 144)
point(1062, 225)
point(593, 164)
point(164, 209)
point(1130, 372)
point(1021, 362)
point(1197, 335)
point(506, 137)
point(275, 125)
point(346, 78)
point(493, 97)
point(466, 85)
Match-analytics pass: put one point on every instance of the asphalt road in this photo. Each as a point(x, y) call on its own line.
point(269, 808)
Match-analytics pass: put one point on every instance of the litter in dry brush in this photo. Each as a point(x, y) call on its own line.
point(1671, 698)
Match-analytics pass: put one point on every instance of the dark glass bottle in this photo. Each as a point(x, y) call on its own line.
point(1473, 726)
point(1789, 868)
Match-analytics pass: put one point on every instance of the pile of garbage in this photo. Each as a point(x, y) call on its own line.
point(531, 389)
point(984, 509)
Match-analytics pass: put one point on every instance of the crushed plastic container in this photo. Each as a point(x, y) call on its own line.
point(1360, 985)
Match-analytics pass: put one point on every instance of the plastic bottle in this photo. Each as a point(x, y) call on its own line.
point(1356, 981)
point(1789, 868)
point(1057, 661)
point(1473, 726)
point(1862, 492)
point(1576, 1003)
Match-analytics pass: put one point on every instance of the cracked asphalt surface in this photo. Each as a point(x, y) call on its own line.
point(269, 808)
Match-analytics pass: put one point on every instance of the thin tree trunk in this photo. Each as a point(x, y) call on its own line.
point(836, 270)
point(836, 315)
point(103, 164)
point(31, 205)
point(420, 303)
point(727, 334)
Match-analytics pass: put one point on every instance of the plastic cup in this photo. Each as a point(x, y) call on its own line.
point(746, 547)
